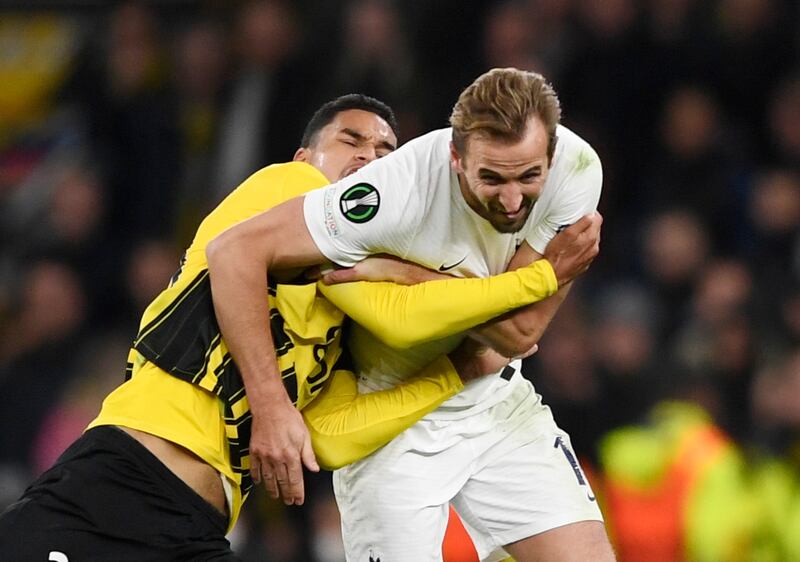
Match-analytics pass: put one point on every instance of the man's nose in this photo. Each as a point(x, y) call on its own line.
point(510, 198)
point(367, 152)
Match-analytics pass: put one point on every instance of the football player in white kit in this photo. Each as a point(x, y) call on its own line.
point(474, 200)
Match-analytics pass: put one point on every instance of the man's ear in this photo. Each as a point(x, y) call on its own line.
point(302, 155)
point(455, 159)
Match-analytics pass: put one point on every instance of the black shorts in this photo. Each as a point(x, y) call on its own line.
point(108, 498)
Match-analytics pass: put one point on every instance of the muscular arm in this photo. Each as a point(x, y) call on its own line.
point(511, 333)
point(404, 316)
point(239, 262)
point(518, 331)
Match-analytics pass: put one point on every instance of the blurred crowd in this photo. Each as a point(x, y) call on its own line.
point(675, 363)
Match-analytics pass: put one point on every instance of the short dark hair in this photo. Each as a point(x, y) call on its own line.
point(325, 114)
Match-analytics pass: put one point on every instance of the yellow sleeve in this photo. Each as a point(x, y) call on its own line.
point(346, 426)
point(405, 315)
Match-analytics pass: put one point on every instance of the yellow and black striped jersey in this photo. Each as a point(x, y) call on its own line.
point(179, 335)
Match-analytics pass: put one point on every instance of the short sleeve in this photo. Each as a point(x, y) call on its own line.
point(575, 194)
point(371, 211)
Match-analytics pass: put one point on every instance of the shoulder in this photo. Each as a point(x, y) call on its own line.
point(573, 153)
point(420, 157)
point(406, 179)
point(289, 179)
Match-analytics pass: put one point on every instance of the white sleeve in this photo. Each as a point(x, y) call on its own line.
point(371, 211)
point(576, 194)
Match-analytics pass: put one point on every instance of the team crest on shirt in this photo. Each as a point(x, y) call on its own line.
point(360, 203)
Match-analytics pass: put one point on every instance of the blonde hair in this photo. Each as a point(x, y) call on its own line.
point(498, 105)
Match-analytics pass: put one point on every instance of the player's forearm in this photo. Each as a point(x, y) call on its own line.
point(517, 332)
point(239, 290)
point(239, 261)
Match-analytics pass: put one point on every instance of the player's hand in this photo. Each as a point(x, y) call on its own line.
point(473, 360)
point(573, 249)
point(279, 447)
point(382, 268)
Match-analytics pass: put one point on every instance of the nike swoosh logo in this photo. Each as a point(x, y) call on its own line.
point(444, 267)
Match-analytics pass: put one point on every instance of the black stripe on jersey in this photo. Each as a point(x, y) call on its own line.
point(314, 388)
point(289, 377)
point(237, 395)
point(200, 280)
point(182, 340)
point(280, 338)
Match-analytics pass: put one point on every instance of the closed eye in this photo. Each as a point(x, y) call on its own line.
point(491, 179)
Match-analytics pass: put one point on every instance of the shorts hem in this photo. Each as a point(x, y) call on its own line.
point(526, 531)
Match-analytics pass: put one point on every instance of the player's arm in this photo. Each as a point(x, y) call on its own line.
point(403, 316)
point(407, 315)
point(510, 333)
point(346, 426)
point(239, 262)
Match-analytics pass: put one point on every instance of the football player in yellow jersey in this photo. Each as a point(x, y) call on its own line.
point(168, 458)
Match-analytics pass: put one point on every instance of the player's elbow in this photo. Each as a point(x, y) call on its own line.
point(329, 455)
point(217, 249)
point(228, 248)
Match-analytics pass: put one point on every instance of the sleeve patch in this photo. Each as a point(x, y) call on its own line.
point(360, 203)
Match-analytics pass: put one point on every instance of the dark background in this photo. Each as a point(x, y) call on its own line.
point(122, 124)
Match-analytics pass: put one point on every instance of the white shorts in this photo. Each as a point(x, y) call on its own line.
point(509, 471)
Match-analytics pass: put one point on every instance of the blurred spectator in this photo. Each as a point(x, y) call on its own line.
point(624, 347)
point(98, 371)
point(775, 473)
point(122, 91)
point(375, 59)
point(200, 62)
point(783, 122)
point(677, 30)
point(39, 51)
point(37, 353)
point(750, 39)
point(61, 212)
point(606, 84)
point(697, 166)
point(151, 265)
point(268, 94)
point(533, 35)
point(718, 340)
point(674, 248)
point(674, 489)
point(775, 216)
point(510, 38)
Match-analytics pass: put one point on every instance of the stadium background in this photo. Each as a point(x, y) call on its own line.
point(121, 124)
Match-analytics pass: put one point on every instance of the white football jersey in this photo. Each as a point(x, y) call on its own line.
point(409, 204)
